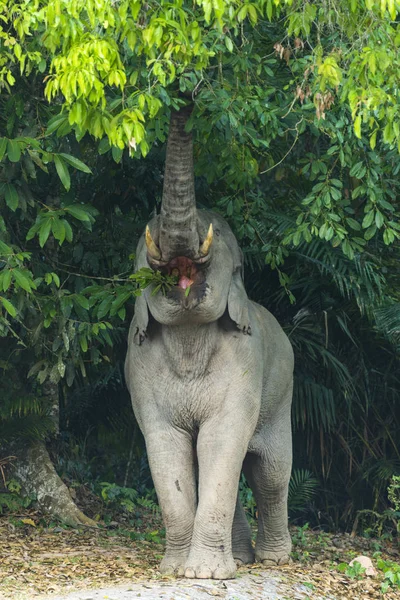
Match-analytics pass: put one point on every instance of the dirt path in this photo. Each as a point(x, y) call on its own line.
point(39, 562)
point(265, 585)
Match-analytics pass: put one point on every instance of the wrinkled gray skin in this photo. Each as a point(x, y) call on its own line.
point(210, 376)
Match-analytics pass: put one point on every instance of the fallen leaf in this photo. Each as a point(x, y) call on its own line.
point(29, 522)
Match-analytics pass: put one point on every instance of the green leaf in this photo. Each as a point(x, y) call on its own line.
point(104, 307)
point(56, 279)
point(22, 280)
point(119, 301)
point(77, 212)
point(83, 343)
point(13, 151)
point(385, 204)
point(357, 126)
point(228, 43)
point(347, 249)
point(38, 161)
point(62, 171)
point(82, 301)
point(33, 231)
point(55, 123)
point(75, 162)
point(44, 231)
point(353, 224)
point(116, 154)
point(252, 12)
point(367, 221)
point(242, 13)
point(379, 219)
point(372, 140)
point(68, 230)
point(4, 249)
point(370, 232)
point(355, 169)
point(104, 146)
point(9, 307)
point(6, 279)
point(337, 183)
point(332, 150)
point(3, 147)
point(388, 236)
point(11, 196)
point(58, 229)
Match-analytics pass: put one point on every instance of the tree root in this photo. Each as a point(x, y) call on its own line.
point(36, 474)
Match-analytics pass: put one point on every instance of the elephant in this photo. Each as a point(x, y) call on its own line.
point(210, 375)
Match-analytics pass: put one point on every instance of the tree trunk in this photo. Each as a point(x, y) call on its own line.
point(33, 467)
point(35, 471)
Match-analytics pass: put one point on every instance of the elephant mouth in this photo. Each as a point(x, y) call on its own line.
point(185, 270)
point(189, 275)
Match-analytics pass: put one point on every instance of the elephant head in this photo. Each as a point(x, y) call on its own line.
point(196, 246)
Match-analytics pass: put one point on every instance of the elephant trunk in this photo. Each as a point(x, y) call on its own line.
point(178, 235)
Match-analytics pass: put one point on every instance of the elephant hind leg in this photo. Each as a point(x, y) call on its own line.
point(268, 473)
point(242, 549)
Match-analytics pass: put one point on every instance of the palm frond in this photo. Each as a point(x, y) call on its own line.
point(313, 405)
point(387, 320)
point(302, 488)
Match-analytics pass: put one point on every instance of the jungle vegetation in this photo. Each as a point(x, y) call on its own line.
point(297, 139)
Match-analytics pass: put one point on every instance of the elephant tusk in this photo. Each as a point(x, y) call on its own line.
point(206, 245)
point(151, 246)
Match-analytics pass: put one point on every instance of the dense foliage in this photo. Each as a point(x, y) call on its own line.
point(297, 134)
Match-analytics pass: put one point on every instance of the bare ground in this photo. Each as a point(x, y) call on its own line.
point(38, 562)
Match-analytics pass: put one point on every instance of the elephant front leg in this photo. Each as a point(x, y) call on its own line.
point(220, 456)
point(171, 462)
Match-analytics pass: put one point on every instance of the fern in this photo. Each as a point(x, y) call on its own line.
point(20, 405)
point(12, 502)
point(387, 320)
point(30, 427)
point(313, 405)
point(302, 489)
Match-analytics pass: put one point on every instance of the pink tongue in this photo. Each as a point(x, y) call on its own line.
point(184, 282)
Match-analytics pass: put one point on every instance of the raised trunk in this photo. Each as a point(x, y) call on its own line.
point(178, 225)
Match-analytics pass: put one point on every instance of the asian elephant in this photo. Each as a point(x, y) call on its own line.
point(210, 376)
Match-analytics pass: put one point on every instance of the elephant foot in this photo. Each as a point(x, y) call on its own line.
point(274, 560)
point(243, 557)
point(209, 565)
point(278, 554)
point(173, 564)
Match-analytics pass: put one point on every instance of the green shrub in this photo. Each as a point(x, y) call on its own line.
point(12, 500)
point(391, 572)
point(126, 499)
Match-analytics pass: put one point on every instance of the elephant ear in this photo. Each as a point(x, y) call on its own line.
point(140, 320)
point(238, 303)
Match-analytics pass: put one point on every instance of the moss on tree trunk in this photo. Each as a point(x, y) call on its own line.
point(35, 471)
